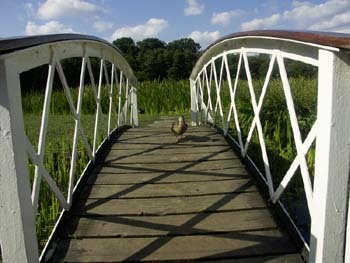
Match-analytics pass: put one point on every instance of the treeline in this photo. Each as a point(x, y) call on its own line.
point(154, 59)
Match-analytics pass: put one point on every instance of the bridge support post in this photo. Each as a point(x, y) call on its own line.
point(194, 112)
point(330, 198)
point(17, 219)
point(134, 110)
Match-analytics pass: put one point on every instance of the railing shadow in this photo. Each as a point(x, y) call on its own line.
point(172, 231)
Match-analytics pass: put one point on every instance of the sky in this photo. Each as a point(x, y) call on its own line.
point(203, 20)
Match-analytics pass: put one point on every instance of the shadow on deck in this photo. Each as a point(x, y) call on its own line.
point(150, 198)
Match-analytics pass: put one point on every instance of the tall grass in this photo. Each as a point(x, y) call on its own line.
point(164, 97)
point(32, 101)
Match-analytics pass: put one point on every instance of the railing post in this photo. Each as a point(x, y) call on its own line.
point(193, 103)
point(330, 198)
point(347, 242)
point(17, 221)
point(134, 110)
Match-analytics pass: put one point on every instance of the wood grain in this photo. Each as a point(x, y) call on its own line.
point(151, 198)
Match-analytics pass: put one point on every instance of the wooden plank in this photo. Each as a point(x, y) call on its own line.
point(172, 156)
point(174, 167)
point(169, 205)
point(132, 169)
point(165, 145)
point(153, 135)
point(166, 190)
point(183, 176)
point(289, 258)
point(166, 150)
point(161, 138)
point(171, 140)
point(235, 244)
point(187, 224)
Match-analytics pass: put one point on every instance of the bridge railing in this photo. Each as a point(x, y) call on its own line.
point(18, 202)
point(326, 181)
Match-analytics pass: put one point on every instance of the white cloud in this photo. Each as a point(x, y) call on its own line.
point(261, 23)
point(150, 29)
point(224, 18)
point(305, 11)
point(332, 15)
point(51, 27)
point(193, 8)
point(204, 38)
point(102, 25)
point(336, 23)
point(54, 9)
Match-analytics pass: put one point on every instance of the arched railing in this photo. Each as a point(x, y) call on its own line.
point(18, 203)
point(225, 65)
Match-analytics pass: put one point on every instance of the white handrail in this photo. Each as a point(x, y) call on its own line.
point(18, 204)
point(328, 200)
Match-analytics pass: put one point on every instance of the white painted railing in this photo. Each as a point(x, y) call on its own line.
point(18, 203)
point(328, 197)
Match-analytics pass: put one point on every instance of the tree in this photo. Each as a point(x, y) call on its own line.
point(183, 54)
point(129, 49)
point(151, 59)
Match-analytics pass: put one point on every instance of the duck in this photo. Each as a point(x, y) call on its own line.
point(179, 128)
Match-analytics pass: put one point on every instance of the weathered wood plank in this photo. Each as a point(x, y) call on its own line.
point(183, 176)
point(132, 169)
point(235, 244)
point(170, 145)
point(174, 189)
point(210, 135)
point(171, 156)
point(187, 224)
point(289, 258)
point(207, 166)
point(169, 205)
point(167, 150)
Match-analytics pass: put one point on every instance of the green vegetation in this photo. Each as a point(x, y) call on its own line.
point(153, 59)
point(164, 97)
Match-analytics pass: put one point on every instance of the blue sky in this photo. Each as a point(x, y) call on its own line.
point(203, 20)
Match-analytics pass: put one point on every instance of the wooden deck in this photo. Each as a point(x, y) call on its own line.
point(152, 199)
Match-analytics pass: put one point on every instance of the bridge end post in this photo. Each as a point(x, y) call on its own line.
point(134, 109)
point(17, 219)
point(194, 113)
point(331, 196)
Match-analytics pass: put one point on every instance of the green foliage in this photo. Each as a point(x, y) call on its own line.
point(129, 49)
point(164, 97)
point(153, 59)
point(32, 102)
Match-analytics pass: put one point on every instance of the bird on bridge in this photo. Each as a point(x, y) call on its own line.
point(179, 128)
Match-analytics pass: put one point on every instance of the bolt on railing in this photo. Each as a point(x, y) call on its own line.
point(18, 203)
point(328, 197)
